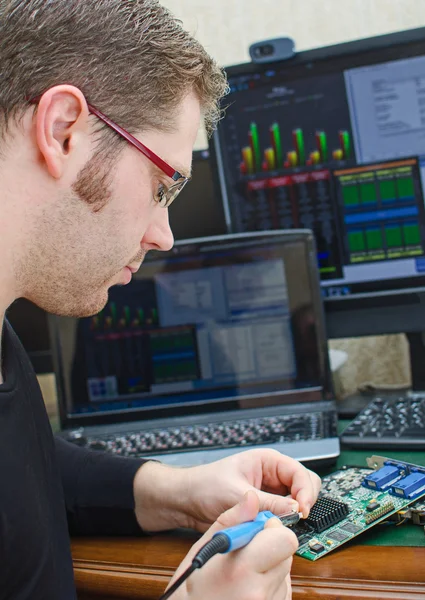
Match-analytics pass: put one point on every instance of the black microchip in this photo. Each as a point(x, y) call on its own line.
point(316, 547)
point(338, 535)
point(303, 532)
point(372, 506)
point(326, 512)
point(351, 527)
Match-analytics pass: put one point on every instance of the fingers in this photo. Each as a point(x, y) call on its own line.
point(303, 484)
point(287, 589)
point(282, 474)
point(306, 494)
point(246, 510)
point(270, 548)
point(280, 580)
point(278, 505)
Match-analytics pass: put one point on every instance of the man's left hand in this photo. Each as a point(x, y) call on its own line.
point(168, 497)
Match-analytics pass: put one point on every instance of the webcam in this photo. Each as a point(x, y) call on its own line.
point(272, 50)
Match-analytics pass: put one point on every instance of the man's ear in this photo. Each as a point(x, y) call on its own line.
point(61, 123)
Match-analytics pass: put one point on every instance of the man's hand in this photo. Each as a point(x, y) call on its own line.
point(168, 497)
point(259, 570)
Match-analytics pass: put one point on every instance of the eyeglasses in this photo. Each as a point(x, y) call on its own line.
point(164, 196)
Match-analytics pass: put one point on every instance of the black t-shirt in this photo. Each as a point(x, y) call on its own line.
point(49, 488)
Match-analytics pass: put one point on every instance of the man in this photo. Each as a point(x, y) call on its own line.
point(81, 202)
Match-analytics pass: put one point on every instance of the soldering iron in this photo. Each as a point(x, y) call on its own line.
point(231, 539)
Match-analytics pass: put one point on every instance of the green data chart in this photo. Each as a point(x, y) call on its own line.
point(384, 241)
point(393, 236)
point(368, 193)
point(381, 187)
point(382, 210)
point(374, 239)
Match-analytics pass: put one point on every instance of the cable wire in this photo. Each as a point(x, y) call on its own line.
point(219, 544)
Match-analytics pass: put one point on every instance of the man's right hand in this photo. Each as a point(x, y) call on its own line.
point(259, 571)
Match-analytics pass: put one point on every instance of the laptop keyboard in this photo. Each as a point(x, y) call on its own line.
point(247, 432)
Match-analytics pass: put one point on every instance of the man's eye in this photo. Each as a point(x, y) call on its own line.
point(161, 195)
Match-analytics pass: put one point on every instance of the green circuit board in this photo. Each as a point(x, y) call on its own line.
point(345, 508)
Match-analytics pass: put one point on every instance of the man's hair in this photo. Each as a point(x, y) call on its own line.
point(131, 58)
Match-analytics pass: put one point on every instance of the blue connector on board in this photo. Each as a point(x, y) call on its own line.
point(382, 479)
point(410, 487)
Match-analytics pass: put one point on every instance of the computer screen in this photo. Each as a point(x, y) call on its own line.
point(198, 211)
point(334, 140)
point(230, 322)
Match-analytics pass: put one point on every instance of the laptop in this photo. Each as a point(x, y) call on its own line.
point(215, 347)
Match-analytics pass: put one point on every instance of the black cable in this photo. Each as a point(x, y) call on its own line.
point(219, 544)
point(179, 581)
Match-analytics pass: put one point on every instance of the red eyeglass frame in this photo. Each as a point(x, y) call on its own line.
point(180, 179)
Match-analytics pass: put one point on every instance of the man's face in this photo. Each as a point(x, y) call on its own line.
point(80, 252)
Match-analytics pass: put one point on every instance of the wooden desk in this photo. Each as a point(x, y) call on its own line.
point(112, 569)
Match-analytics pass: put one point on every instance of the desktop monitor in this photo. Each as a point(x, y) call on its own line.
point(333, 140)
point(198, 211)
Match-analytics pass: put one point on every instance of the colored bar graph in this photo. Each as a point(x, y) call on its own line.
point(292, 157)
point(248, 159)
point(298, 139)
point(255, 146)
point(270, 159)
point(277, 144)
point(322, 145)
point(314, 157)
point(257, 154)
point(344, 139)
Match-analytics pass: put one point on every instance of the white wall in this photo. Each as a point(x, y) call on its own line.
point(228, 27)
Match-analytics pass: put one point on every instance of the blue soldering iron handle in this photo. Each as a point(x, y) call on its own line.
point(241, 535)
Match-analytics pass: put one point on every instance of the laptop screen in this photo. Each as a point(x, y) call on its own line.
point(214, 324)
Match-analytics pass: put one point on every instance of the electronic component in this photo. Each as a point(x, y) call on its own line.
point(410, 487)
point(338, 535)
point(382, 479)
point(303, 531)
point(351, 527)
point(373, 505)
point(366, 506)
point(316, 546)
point(379, 512)
point(326, 512)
